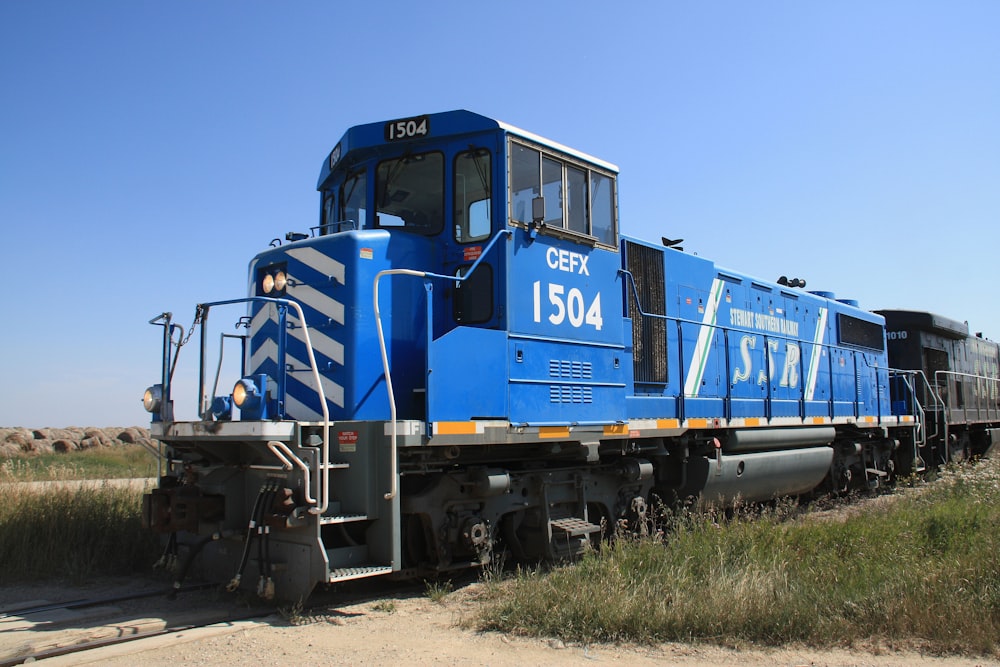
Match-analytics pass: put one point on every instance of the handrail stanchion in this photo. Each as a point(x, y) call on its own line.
point(323, 464)
point(393, 447)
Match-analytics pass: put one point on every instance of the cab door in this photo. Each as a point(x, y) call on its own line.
point(467, 372)
point(474, 212)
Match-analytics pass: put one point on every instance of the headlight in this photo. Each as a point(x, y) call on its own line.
point(250, 396)
point(152, 398)
point(245, 389)
point(272, 280)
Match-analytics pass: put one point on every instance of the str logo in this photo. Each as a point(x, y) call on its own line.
point(789, 371)
point(565, 260)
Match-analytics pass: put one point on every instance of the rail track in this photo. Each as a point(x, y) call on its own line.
point(74, 631)
point(40, 630)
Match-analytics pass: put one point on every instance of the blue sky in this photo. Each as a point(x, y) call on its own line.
point(150, 149)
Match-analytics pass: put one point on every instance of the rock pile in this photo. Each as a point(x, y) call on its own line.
point(26, 441)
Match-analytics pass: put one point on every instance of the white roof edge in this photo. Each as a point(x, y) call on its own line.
point(565, 149)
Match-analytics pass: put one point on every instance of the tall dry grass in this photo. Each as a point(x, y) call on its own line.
point(924, 569)
point(71, 530)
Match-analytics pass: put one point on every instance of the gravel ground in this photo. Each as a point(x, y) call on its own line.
point(410, 628)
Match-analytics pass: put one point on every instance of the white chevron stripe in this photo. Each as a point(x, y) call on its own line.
point(320, 342)
point(310, 296)
point(269, 350)
point(325, 345)
point(705, 335)
point(269, 313)
point(818, 338)
point(333, 391)
point(300, 411)
point(317, 261)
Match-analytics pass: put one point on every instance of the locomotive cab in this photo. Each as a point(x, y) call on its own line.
point(435, 215)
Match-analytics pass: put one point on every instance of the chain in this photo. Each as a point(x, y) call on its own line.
point(199, 313)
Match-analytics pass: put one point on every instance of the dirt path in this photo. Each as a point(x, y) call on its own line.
point(414, 630)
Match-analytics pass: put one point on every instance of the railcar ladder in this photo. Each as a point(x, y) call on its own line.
point(920, 435)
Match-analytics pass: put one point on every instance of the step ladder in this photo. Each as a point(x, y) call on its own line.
point(569, 536)
point(361, 572)
point(347, 563)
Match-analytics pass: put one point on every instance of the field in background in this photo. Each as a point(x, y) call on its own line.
point(73, 532)
point(28, 455)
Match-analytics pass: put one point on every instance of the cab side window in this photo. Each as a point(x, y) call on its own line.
point(352, 199)
point(472, 196)
point(525, 179)
point(579, 197)
point(602, 208)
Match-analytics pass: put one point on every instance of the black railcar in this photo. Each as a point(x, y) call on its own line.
point(956, 382)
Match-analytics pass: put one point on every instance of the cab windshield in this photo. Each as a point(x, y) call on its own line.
point(409, 193)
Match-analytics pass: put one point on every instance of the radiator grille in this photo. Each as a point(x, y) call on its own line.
point(649, 334)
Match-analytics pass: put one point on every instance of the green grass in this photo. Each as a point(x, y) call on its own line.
point(385, 606)
point(72, 534)
point(126, 461)
point(437, 591)
point(924, 571)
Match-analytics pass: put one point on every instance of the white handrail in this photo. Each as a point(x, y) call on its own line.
point(325, 457)
point(274, 446)
point(323, 464)
point(394, 486)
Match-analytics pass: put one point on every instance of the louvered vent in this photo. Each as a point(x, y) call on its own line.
point(577, 370)
point(570, 394)
point(649, 334)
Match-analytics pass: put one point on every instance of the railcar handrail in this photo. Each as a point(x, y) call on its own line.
point(322, 480)
point(168, 364)
point(339, 225)
point(937, 400)
point(920, 437)
point(978, 395)
point(426, 275)
point(681, 321)
point(222, 349)
point(949, 407)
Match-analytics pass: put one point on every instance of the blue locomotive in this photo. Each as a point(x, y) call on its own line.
point(466, 356)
